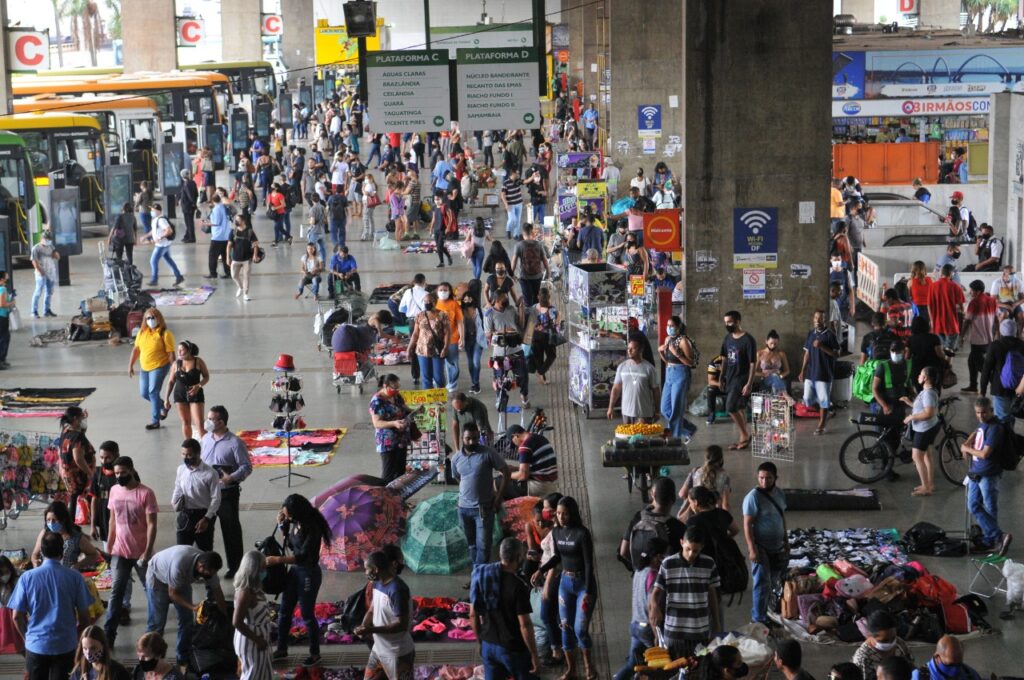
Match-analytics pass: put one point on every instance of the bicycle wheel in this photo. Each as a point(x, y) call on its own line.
point(865, 458)
point(954, 465)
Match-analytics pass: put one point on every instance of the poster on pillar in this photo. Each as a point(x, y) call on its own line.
point(755, 237)
point(648, 121)
point(498, 88)
point(409, 90)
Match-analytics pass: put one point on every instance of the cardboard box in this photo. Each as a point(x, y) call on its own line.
point(97, 304)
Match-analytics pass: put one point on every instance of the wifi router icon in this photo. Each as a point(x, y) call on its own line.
point(649, 116)
point(755, 220)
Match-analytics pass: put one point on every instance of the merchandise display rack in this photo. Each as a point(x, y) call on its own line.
point(773, 427)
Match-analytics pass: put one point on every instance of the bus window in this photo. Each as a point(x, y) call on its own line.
point(199, 109)
point(38, 145)
point(11, 181)
point(163, 101)
point(264, 84)
point(82, 150)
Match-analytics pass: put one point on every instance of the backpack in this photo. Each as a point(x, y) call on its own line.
point(921, 538)
point(972, 228)
point(277, 576)
point(863, 380)
point(644, 204)
point(1010, 450)
point(650, 525)
point(1013, 370)
point(694, 351)
point(170, 227)
point(732, 565)
point(903, 290)
point(336, 204)
point(533, 259)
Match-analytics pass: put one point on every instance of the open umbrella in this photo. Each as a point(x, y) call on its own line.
point(435, 542)
point(517, 516)
point(362, 518)
point(348, 482)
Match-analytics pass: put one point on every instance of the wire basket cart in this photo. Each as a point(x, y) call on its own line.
point(773, 427)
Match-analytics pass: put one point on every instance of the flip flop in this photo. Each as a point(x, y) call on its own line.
point(739, 446)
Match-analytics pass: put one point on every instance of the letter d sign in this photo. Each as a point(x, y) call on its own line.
point(909, 6)
point(28, 50)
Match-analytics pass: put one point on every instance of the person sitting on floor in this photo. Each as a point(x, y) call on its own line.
point(947, 663)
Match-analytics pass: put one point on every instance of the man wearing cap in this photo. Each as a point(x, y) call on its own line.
point(1002, 398)
point(466, 410)
point(538, 465)
point(959, 219)
point(188, 197)
point(989, 250)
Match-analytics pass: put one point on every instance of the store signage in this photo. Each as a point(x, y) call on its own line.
point(636, 286)
point(498, 88)
point(662, 231)
point(755, 233)
point(272, 24)
point(566, 206)
point(409, 90)
point(190, 32)
point(941, 106)
point(648, 120)
point(562, 56)
point(942, 90)
point(868, 284)
point(28, 50)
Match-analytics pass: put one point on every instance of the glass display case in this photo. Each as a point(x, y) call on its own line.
point(596, 325)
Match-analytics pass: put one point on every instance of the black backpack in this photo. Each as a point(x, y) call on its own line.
point(922, 538)
point(732, 565)
point(336, 203)
point(650, 525)
point(972, 227)
point(277, 575)
point(1010, 449)
point(644, 204)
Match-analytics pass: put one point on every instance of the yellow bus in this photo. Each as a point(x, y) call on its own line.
point(64, 141)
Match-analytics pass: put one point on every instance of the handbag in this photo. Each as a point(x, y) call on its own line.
point(14, 319)
point(949, 378)
point(373, 201)
point(258, 254)
point(82, 511)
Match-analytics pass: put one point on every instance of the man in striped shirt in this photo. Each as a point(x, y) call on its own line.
point(538, 466)
point(684, 601)
point(512, 198)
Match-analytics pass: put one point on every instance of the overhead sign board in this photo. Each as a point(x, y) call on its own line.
point(453, 38)
point(409, 90)
point(934, 106)
point(498, 88)
point(28, 50)
point(190, 32)
point(333, 46)
point(271, 25)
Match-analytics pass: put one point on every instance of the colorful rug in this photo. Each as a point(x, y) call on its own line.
point(310, 447)
point(179, 297)
point(40, 402)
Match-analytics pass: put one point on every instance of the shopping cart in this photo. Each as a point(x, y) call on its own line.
point(352, 369)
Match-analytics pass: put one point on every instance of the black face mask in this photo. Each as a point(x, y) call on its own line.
point(108, 466)
point(428, 307)
point(730, 327)
point(741, 671)
point(398, 569)
point(124, 480)
point(147, 665)
point(955, 256)
point(191, 462)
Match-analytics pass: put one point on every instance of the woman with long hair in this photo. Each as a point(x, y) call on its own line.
point(473, 339)
point(369, 191)
point(710, 475)
point(77, 455)
point(11, 641)
point(78, 549)
point(305, 530)
point(497, 255)
point(150, 650)
point(428, 344)
point(122, 237)
point(577, 590)
point(478, 237)
point(679, 360)
point(919, 284)
point(188, 376)
point(154, 350)
point(545, 332)
point(94, 659)
point(251, 618)
point(924, 422)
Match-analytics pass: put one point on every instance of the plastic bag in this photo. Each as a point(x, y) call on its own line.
point(386, 243)
point(14, 319)
point(699, 406)
point(82, 511)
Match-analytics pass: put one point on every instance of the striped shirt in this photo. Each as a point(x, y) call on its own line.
point(513, 190)
point(687, 612)
point(536, 452)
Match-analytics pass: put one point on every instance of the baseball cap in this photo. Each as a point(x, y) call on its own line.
point(957, 196)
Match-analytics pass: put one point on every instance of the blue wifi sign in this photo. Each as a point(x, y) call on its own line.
point(648, 120)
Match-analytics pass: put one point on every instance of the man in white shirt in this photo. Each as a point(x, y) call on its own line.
point(412, 302)
point(641, 183)
point(196, 497)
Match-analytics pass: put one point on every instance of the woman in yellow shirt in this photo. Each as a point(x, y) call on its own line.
point(154, 350)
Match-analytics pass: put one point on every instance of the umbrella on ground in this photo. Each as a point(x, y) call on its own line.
point(348, 482)
point(517, 516)
point(435, 542)
point(362, 518)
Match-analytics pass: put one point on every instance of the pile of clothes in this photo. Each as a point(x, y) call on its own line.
point(421, 247)
point(40, 402)
point(390, 351)
point(308, 446)
point(837, 578)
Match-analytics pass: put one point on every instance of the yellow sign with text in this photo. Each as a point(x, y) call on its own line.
point(335, 48)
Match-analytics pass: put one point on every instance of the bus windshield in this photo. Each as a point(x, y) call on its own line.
point(80, 147)
point(15, 180)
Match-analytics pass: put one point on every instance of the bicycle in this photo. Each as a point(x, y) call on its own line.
point(867, 456)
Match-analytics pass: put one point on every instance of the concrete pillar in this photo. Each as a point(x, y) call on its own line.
point(940, 14)
point(297, 40)
point(5, 80)
point(1001, 156)
point(755, 71)
point(864, 10)
point(661, 81)
point(150, 35)
point(240, 22)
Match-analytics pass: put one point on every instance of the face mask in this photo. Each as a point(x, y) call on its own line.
point(154, 214)
point(547, 514)
point(92, 656)
point(884, 646)
point(896, 358)
point(428, 306)
point(55, 527)
point(741, 671)
point(837, 264)
point(443, 294)
point(108, 466)
point(152, 323)
point(951, 669)
point(191, 462)
point(955, 256)
point(263, 575)
point(730, 327)
point(209, 425)
point(124, 480)
point(148, 665)
point(83, 424)
point(499, 272)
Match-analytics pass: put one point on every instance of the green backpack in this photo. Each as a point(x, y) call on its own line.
point(864, 377)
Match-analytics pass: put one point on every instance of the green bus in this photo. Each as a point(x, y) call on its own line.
point(19, 198)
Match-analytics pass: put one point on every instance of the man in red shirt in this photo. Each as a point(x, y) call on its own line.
point(979, 329)
point(898, 314)
point(946, 307)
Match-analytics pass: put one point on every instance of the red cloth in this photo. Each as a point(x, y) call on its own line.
point(919, 290)
point(945, 296)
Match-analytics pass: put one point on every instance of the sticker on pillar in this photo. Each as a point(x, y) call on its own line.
point(1017, 179)
point(706, 261)
point(755, 237)
point(622, 146)
point(650, 145)
point(707, 295)
point(648, 120)
point(753, 283)
point(799, 271)
point(806, 212)
point(774, 281)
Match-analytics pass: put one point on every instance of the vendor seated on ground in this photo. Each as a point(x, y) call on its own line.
point(360, 338)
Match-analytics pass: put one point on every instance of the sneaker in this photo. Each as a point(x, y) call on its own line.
point(49, 312)
point(151, 283)
point(238, 293)
point(153, 426)
point(225, 276)
point(35, 315)
point(209, 276)
point(475, 389)
point(311, 660)
point(125, 618)
point(247, 298)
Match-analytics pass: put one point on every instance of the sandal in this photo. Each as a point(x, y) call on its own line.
point(740, 445)
point(819, 431)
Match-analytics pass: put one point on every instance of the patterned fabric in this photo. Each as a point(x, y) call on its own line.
point(430, 340)
point(687, 614)
point(387, 438)
point(255, 663)
point(362, 518)
point(75, 480)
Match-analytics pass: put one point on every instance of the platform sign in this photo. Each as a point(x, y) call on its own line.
point(498, 88)
point(190, 32)
point(28, 50)
point(755, 234)
point(409, 90)
point(271, 25)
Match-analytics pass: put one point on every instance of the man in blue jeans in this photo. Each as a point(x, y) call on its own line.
point(499, 611)
point(44, 261)
point(169, 581)
point(764, 526)
point(474, 466)
point(983, 476)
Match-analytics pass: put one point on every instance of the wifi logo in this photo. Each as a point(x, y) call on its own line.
point(649, 117)
point(756, 220)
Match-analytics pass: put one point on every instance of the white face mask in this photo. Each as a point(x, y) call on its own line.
point(884, 646)
point(152, 323)
point(209, 425)
point(896, 358)
point(670, 330)
point(837, 264)
point(154, 214)
point(443, 294)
